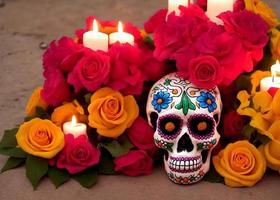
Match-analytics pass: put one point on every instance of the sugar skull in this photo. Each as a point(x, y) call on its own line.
point(185, 119)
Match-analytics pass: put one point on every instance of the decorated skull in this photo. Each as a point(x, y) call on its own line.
point(185, 119)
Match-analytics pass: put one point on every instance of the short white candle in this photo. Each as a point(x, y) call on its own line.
point(121, 36)
point(173, 5)
point(96, 40)
point(216, 7)
point(74, 128)
point(274, 80)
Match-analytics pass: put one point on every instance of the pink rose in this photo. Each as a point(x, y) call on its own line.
point(63, 55)
point(158, 18)
point(134, 163)
point(126, 73)
point(55, 89)
point(91, 71)
point(226, 48)
point(205, 72)
point(142, 136)
point(77, 155)
point(239, 5)
point(168, 39)
point(153, 69)
point(202, 4)
point(248, 26)
point(233, 125)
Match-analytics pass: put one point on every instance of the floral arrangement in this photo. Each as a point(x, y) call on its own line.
point(107, 91)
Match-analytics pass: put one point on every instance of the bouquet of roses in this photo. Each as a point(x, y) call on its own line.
point(104, 90)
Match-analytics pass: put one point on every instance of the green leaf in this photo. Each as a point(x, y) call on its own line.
point(212, 176)
point(117, 149)
point(87, 178)
point(57, 176)
point(13, 152)
point(36, 168)
point(185, 104)
point(88, 98)
point(248, 131)
point(148, 40)
point(9, 138)
point(12, 163)
point(41, 113)
point(106, 165)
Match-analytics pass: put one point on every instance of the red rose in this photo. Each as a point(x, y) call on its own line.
point(226, 48)
point(233, 124)
point(63, 55)
point(248, 26)
point(55, 89)
point(77, 155)
point(91, 71)
point(126, 73)
point(158, 18)
point(205, 72)
point(134, 163)
point(142, 136)
point(152, 69)
point(239, 5)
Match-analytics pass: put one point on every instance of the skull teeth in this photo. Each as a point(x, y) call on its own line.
point(183, 165)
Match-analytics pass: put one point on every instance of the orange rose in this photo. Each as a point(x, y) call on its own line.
point(34, 101)
point(275, 43)
point(40, 138)
point(241, 164)
point(111, 113)
point(271, 150)
point(65, 112)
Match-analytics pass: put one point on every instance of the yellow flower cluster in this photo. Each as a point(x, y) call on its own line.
point(264, 111)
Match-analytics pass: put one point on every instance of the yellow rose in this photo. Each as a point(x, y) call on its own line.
point(271, 150)
point(34, 101)
point(40, 138)
point(275, 43)
point(111, 113)
point(261, 8)
point(65, 112)
point(241, 164)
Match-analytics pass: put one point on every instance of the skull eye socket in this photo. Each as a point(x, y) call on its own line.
point(170, 126)
point(201, 126)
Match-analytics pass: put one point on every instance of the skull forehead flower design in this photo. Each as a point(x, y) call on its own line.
point(185, 119)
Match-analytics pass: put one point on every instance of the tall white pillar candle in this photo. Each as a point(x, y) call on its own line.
point(173, 5)
point(96, 40)
point(274, 80)
point(216, 7)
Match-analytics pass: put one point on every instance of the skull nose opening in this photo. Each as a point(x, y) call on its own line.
point(185, 144)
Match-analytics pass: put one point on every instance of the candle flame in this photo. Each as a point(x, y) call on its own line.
point(95, 26)
point(277, 62)
point(74, 120)
point(120, 27)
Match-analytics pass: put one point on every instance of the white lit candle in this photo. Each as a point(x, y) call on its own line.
point(173, 5)
point(121, 37)
point(216, 7)
point(95, 40)
point(74, 128)
point(273, 81)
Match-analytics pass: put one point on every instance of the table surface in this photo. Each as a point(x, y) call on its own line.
point(26, 23)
